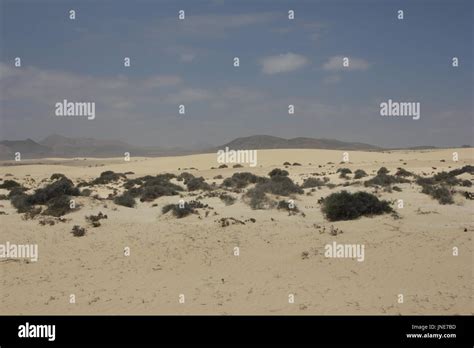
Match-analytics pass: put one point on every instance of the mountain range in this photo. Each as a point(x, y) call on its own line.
point(60, 146)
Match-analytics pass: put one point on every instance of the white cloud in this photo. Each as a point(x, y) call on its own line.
point(336, 63)
point(283, 63)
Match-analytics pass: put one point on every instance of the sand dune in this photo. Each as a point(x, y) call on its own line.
point(280, 253)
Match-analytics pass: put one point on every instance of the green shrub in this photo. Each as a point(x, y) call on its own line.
point(403, 172)
point(313, 182)
point(441, 193)
point(278, 172)
point(343, 172)
point(241, 180)
point(197, 184)
point(348, 206)
point(58, 206)
point(9, 184)
point(227, 199)
point(78, 231)
point(185, 210)
point(126, 200)
point(359, 173)
point(280, 185)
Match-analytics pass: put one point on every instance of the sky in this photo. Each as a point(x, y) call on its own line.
point(282, 62)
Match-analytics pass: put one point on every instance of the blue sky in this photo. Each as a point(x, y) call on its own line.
point(282, 62)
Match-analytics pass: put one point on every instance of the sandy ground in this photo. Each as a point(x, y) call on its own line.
point(279, 254)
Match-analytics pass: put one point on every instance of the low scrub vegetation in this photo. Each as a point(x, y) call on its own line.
point(349, 206)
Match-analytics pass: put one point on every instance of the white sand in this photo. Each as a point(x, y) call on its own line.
point(193, 256)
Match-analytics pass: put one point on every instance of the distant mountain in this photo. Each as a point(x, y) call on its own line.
point(256, 142)
point(27, 147)
point(60, 146)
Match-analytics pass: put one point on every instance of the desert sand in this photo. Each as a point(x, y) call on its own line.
point(280, 254)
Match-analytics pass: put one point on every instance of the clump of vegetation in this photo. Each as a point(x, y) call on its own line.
point(227, 199)
point(359, 173)
point(278, 172)
point(343, 172)
point(280, 185)
point(403, 172)
point(383, 179)
point(296, 164)
point(288, 206)
point(197, 184)
point(241, 180)
point(106, 177)
point(9, 184)
point(222, 166)
point(126, 199)
point(78, 231)
point(185, 177)
point(57, 176)
point(438, 186)
point(348, 206)
point(441, 193)
point(94, 220)
point(56, 196)
point(287, 164)
point(149, 188)
point(257, 199)
point(58, 206)
point(180, 211)
point(313, 182)
point(237, 166)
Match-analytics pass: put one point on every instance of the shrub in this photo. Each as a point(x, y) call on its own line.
point(58, 206)
point(106, 178)
point(56, 176)
point(197, 184)
point(9, 184)
point(223, 166)
point(78, 231)
point(280, 185)
point(60, 187)
point(185, 177)
point(441, 193)
point(185, 210)
point(348, 206)
point(287, 164)
point(20, 202)
point(241, 180)
point(403, 172)
point(343, 172)
point(278, 172)
point(296, 164)
point(382, 171)
point(284, 205)
point(359, 173)
point(227, 199)
point(257, 199)
point(125, 199)
point(383, 179)
point(313, 182)
point(237, 166)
